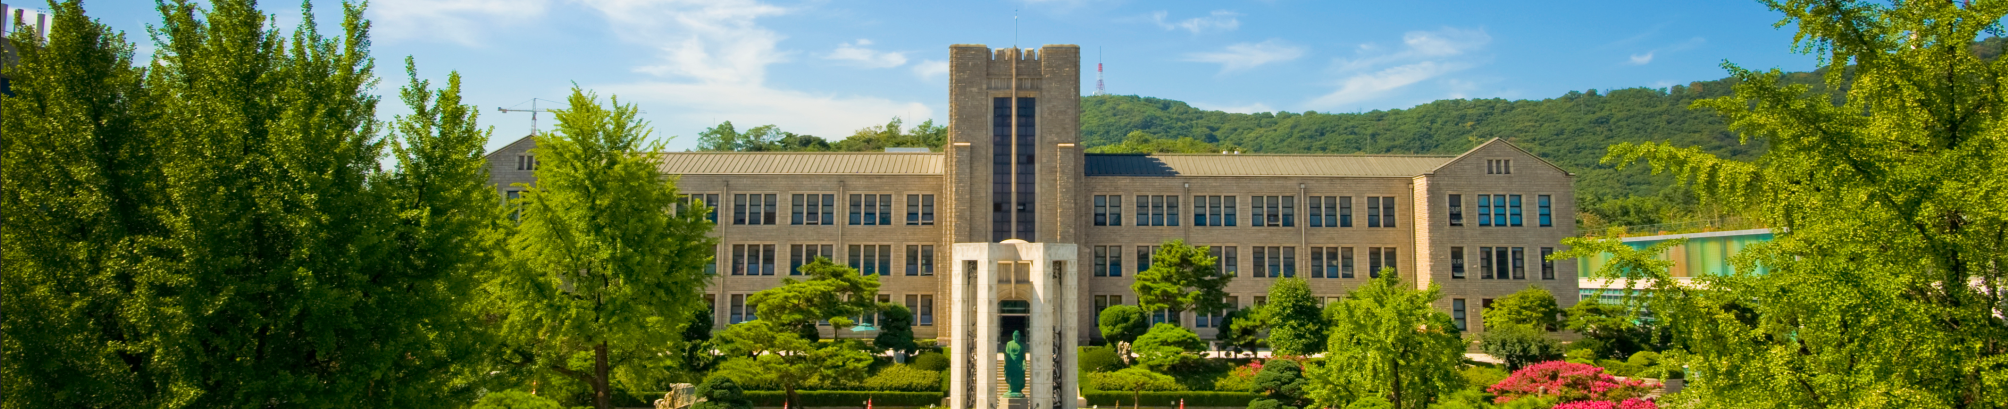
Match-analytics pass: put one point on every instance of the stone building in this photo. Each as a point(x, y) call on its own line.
point(1477, 224)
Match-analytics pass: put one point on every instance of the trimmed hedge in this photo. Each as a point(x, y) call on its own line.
point(848, 398)
point(1198, 399)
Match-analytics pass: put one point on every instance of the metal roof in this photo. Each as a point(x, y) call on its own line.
point(1163, 165)
point(800, 163)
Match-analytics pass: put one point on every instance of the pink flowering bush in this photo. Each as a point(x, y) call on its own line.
point(1573, 384)
point(1604, 404)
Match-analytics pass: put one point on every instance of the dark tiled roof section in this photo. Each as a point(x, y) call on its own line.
point(766, 163)
point(1164, 165)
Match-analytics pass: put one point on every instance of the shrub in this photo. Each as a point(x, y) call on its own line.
point(1282, 380)
point(1239, 379)
point(515, 400)
point(904, 378)
point(1167, 346)
point(1580, 355)
point(847, 398)
point(1099, 359)
point(1371, 402)
point(1567, 382)
point(1598, 404)
point(1134, 380)
point(1170, 399)
point(1123, 323)
point(1519, 346)
point(1480, 377)
point(929, 361)
point(720, 392)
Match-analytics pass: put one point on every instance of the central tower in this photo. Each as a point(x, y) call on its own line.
point(1014, 130)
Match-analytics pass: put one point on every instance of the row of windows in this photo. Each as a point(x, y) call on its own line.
point(739, 310)
point(868, 259)
point(1503, 210)
point(1266, 211)
point(817, 209)
point(1269, 261)
point(1502, 263)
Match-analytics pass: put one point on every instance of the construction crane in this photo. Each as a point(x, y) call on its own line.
point(533, 112)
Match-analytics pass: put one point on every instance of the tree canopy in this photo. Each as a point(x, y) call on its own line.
point(1387, 341)
point(1296, 320)
point(1181, 277)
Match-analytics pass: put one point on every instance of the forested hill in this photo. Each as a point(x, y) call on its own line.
point(1571, 130)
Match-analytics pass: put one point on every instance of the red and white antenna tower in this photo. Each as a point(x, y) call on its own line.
point(1099, 89)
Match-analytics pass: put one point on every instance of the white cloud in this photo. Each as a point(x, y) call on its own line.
point(1219, 20)
point(1363, 87)
point(1248, 55)
point(713, 67)
point(927, 70)
point(465, 22)
point(1424, 55)
point(1239, 109)
point(1642, 59)
point(857, 53)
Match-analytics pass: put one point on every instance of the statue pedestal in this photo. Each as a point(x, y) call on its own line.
point(1016, 403)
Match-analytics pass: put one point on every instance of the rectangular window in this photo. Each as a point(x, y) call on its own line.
point(1498, 166)
point(1289, 211)
point(920, 210)
point(1225, 261)
point(1485, 263)
point(1513, 208)
point(1099, 266)
point(1227, 205)
point(802, 254)
point(1500, 265)
point(1457, 210)
point(812, 209)
point(1325, 262)
point(753, 259)
point(922, 306)
point(1387, 211)
point(1324, 211)
point(1373, 262)
point(1108, 261)
point(1345, 262)
point(871, 259)
point(1457, 313)
point(1547, 266)
point(1392, 262)
point(1256, 211)
point(1498, 210)
point(1547, 212)
point(1171, 211)
point(1457, 263)
point(919, 260)
point(1143, 257)
point(1102, 210)
point(1289, 261)
point(1484, 210)
point(1345, 211)
point(738, 310)
point(738, 209)
point(1316, 207)
point(1262, 264)
point(1519, 263)
point(1374, 211)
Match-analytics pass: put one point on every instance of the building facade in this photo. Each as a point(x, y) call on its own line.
point(1477, 225)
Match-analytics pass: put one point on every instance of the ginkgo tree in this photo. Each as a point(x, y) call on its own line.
point(1885, 185)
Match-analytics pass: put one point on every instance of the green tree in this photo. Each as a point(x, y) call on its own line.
point(1281, 381)
point(833, 292)
point(1392, 344)
point(1884, 284)
point(695, 355)
point(1532, 307)
point(1144, 142)
point(1614, 329)
point(766, 352)
point(1243, 330)
point(1167, 346)
point(720, 392)
point(1519, 345)
point(1123, 323)
point(1136, 381)
point(515, 400)
point(1181, 277)
point(895, 329)
point(602, 267)
point(1296, 324)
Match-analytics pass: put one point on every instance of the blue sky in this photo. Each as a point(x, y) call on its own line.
point(829, 67)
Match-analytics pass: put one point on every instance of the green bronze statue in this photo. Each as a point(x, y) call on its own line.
point(1014, 367)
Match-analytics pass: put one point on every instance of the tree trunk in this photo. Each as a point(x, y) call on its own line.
point(600, 395)
point(1394, 380)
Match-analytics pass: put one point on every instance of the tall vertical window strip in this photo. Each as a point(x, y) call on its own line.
point(1345, 211)
point(1547, 266)
point(1513, 208)
point(1500, 265)
point(1457, 263)
point(920, 210)
point(1456, 210)
point(1457, 313)
point(812, 209)
point(1374, 211)
point(1547, 210)
point(919, 260)
point(1484, 210)
point(802, 254)
point(1289, 211)
point(1387, 211)
point(1345, 262)
point(1519, 263)
point(1498, 210)
point(1373, 262)
point(1485, 263)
